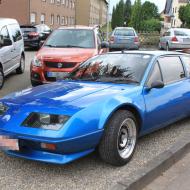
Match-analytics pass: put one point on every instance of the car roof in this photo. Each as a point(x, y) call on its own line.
point(77, 27)
point(5, 21)
point(154, 53)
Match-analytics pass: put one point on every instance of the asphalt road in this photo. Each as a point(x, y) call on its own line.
point(87, 173)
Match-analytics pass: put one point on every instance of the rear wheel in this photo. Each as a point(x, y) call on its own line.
point(21, 68)
point(119, 140)
point(2, 78)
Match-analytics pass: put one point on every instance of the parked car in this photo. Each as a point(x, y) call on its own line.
point(63, 51)
point(12, 55)
point(123, 38)
point(33, 35)
point(106, 104)
point(175, 39)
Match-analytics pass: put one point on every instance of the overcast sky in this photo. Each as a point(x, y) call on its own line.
point(159, 3)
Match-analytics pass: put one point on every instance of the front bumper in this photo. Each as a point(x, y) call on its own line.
point(66, 150)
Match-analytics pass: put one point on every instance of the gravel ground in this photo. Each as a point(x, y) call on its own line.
point(87, 173)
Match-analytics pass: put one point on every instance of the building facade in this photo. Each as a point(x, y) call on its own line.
point(171, 13)
point(91, 12)
point(54, 13)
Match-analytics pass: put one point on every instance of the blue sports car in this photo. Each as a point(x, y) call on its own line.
point(105, 104)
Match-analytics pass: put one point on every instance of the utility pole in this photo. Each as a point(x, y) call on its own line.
point(107, 37)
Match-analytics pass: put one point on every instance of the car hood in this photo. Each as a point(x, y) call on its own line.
point(69, 95)
point(66, 54)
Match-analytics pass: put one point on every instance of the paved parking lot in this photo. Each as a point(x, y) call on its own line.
point(87, 173)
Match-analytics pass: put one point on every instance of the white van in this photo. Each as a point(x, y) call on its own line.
point(12, 55)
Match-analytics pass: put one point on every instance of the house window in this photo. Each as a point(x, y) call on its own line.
point(58, 19)
point(33, 18)
point(42, 18)
point(52, 19)
point(52, 1)
point(63, 20)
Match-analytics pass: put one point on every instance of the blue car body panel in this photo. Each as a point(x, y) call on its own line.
point(90, 105)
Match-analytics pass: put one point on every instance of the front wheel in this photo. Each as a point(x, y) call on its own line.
point(2, 78)
point(119, 140)
point(21, 68)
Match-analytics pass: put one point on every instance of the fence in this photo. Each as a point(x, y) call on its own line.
point(149, 38)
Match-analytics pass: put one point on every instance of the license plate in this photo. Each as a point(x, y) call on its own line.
point(7, 143)
point(57, 75)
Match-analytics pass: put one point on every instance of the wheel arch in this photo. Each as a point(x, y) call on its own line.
point(129, 107)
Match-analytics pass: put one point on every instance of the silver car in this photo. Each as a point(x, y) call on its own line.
point(175, 39)
point(124, 38)
point(12, 55)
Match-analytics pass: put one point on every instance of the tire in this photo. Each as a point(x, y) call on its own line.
point(2, 78)
point(21, 68)
point(160, 47)
point(34, 83)
point(167, 47)
point(115, 148)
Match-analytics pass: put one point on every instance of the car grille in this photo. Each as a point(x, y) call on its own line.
point(60, 65)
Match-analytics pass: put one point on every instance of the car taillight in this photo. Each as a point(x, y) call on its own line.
point(174, 39)
point(112, 39)
point(33, 34)
point(136, 39)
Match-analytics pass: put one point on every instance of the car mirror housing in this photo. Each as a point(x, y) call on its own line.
point(157, 84)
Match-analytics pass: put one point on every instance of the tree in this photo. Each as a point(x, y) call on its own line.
point(120, 13)
point(149, 11)
point(113, 21)
point(136, 15)
point(127, 12)
point(182, 15)
point(151, 25)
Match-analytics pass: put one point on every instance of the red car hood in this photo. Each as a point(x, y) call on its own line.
point(66, 54)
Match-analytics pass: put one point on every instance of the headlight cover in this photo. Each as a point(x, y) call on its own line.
point(45, 121)
point(3, 109)
point(36, 62)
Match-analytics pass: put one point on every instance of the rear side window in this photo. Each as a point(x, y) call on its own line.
point(15, 31)
point(167, 33)
point(172, 69)
point(180, 33)
point(186, 60)
point(124, 32)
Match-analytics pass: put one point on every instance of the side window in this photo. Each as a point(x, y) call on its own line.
point(167, 33)
point(172, 69)
point(16, 34)
point(4, 33)
point(186, 60)
point(155, 75)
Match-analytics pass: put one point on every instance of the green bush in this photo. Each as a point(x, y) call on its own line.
point(151, 25)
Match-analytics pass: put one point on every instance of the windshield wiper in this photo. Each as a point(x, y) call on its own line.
point(72, 46)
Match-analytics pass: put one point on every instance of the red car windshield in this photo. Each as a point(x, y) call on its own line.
point(68, 38)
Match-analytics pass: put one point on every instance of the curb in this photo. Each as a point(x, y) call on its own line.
point(154, 168)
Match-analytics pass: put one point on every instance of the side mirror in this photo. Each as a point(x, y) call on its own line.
point(157, 84)
point(104, 45)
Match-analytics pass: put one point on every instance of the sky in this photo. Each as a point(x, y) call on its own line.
point(159, 3)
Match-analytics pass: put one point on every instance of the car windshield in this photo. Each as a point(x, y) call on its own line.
point(115, 68)
point(79, 38)
point(124, 32)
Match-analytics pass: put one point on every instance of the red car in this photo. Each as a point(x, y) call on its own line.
point(63, 51)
